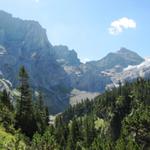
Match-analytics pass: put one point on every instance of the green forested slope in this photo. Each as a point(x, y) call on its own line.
point(116, 120)
point(21, 117)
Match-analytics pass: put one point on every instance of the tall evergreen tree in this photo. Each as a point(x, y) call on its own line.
point(24, 115)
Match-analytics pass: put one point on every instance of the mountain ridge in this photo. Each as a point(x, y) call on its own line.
point(26, 43)
point(55, 70)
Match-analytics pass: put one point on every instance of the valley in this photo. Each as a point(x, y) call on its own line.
point(55, 70)
point(50, 100)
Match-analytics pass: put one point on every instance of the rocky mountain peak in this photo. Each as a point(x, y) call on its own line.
point(16, 33)
point(4, 14)
point(65, 56)
point(55, 70)
point(123, 50)
point(122, 58)
point(24, 42)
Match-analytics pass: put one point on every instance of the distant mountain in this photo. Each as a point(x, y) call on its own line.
point(132, 72)
point(141, 70)
point(66, 57)
point(120, 59)
point(91, 76)
point(55, 70)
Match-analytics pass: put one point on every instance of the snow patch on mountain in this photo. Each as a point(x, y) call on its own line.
point(144, 64)
point(131, 73)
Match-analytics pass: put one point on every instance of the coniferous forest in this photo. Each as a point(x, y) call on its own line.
point(116, 120)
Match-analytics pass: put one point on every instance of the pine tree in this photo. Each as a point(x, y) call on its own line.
point(24, 116)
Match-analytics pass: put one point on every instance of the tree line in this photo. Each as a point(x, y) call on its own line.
point(25, 113)
point(116, 120)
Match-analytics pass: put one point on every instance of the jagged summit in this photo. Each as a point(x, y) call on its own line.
point(65, 56)
point(55, 70)
point(130, 73)
point(121, 58)
point(124, 50)
point(129, 54)
point(25, 43)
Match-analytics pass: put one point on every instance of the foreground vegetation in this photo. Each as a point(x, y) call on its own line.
point(116, 120)
point(21, 116)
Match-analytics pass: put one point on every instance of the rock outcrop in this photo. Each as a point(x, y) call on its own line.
point(25, 43)
point(55, 70)
point(93, 76)
point(131, 73)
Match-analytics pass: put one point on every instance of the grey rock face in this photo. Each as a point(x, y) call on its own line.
point(54, 69)
point(25, 43)
point(93, 76)
point(121, 58)
point(66, 57)
point(130, 73)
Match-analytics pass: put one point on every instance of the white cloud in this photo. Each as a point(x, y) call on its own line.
point(120, 25)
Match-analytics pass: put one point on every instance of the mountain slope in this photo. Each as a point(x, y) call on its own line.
point(66, 57)
point(25, 43)
point(122, 58)
point(91, 77)
point(131, 73)
point(55, 70)
point(118, 119)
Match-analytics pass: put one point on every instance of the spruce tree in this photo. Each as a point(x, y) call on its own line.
point(24, 115)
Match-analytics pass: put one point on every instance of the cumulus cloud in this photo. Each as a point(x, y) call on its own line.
point(118, 26)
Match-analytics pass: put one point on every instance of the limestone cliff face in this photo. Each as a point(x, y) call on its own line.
point(91, 76)
point(131, 73)
point(25, 43)
point(54, 69)
point(66, 57)
point(120, 59)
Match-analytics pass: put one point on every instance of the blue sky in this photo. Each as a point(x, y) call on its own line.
point(91, 27)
